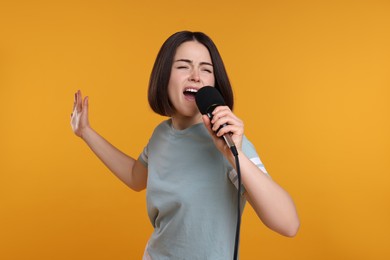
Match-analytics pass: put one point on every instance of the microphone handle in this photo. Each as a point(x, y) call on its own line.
point(226, 137)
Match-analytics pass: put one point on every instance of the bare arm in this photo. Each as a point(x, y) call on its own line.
point(272, 203)
point(130, 171)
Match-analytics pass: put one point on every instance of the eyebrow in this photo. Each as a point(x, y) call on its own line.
point(190, 61)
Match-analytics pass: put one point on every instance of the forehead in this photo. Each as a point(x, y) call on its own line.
point(194, 51)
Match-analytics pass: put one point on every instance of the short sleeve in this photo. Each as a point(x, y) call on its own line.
point(250, 151)
point(144, 156)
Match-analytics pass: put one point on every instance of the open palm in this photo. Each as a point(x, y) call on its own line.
point(79, 117)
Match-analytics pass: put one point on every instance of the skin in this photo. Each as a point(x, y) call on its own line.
point(192, 68)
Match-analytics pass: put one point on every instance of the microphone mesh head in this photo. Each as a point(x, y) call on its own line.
point(208, 98)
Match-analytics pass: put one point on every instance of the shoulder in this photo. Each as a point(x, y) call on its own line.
point(158, 132)
point(163, 125)
point(162, 128)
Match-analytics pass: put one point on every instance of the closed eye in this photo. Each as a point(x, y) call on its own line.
point(208, 70)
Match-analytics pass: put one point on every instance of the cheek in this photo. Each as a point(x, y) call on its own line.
point(170, 92)
point(211, 81)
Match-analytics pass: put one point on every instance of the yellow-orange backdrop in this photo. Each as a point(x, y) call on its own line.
point(311, 80)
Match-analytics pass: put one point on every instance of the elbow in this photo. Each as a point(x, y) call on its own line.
point(292, 229)
point(287, 228)
point(292, 232)
point(136, 188)
point(133, 186)
point(292, 224)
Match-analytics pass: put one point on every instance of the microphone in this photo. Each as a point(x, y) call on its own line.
point(207, 99)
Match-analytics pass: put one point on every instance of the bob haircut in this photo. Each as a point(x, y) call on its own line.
point(159, 79)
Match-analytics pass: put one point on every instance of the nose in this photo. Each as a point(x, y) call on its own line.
point(194, 76)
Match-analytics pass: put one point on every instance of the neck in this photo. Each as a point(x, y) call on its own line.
point(183, 122)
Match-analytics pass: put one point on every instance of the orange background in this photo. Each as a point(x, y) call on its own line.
point(312, 85)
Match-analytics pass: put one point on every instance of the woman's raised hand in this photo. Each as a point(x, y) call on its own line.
point(79, 117)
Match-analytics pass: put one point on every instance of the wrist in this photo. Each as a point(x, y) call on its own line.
point(85, 133)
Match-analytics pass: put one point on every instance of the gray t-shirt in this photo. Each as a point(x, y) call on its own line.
point(191, 194)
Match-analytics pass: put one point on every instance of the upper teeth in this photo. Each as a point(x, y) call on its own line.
point(192, 90)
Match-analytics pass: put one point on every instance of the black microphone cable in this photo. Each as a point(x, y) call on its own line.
point(207, 99)
point(237, 239)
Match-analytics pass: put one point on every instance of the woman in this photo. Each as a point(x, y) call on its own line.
point(187, 169)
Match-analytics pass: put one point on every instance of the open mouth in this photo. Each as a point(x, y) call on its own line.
point(190, 93)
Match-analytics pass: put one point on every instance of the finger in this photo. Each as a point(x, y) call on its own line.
point(206, 122)
point(74, 103)
point(79, 105)
point(222, 112)
point(221, 109)
point(85, 105)
point(230, 129)
point(226, 120)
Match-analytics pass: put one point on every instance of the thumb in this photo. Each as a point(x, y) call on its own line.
point(206, 121)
